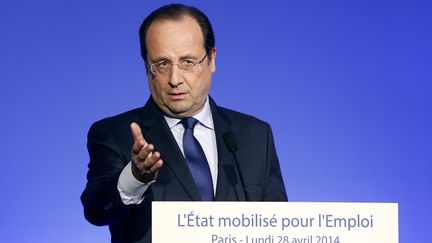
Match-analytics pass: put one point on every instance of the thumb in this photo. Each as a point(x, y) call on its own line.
point(137, 134)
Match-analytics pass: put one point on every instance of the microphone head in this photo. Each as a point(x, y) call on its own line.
point(230, 141)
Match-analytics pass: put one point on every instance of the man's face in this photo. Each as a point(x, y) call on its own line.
point(179, 94)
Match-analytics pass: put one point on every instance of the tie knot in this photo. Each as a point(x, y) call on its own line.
point(189, 123)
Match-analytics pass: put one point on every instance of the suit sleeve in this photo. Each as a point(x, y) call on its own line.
point(101, 198)
point(274, 189)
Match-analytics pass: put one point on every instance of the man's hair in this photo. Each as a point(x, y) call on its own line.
point(176, 12)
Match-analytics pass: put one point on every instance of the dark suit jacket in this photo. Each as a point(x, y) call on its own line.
point(109, 145)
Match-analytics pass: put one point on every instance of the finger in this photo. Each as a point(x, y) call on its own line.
point(152, 164)
point(137, 134)
point(156, 167)
point(139, 141)
point(145, 152)
point(151, 160)
point(146, 163)
point(147, 175)
point(136, 148)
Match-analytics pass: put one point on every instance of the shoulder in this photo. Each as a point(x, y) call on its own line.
point(242, 119)
point(123, 117)
point(236, 116)
point(118, 123)
point(251, 133)
point(232, 117)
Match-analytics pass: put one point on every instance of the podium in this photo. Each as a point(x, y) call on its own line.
point(274, 222)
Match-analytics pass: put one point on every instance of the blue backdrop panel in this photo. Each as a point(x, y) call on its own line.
point(346, 86)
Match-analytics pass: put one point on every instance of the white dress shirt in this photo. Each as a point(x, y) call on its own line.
point(132, 191)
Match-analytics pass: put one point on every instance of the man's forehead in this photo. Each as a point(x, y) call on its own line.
point(182, 37)
point(174, 28)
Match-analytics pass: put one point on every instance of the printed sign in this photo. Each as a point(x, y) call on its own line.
point(274, 222)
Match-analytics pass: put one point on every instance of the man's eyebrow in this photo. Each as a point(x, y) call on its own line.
point(162, 58)
point(159, 59)
point(188, 57)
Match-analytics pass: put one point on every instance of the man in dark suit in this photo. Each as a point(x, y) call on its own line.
point(175, 147)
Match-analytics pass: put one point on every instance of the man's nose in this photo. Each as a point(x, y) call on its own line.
point(176, 76)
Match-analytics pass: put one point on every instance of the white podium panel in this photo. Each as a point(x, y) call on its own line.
point(274, 222)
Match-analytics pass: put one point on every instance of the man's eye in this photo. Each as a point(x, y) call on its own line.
point(188, 62)
point(163, 64)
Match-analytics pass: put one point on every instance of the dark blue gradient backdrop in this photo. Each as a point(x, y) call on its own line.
point(346, 86)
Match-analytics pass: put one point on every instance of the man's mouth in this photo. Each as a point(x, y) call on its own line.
point(177, 96)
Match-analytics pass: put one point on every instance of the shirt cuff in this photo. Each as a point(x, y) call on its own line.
point(131, 190)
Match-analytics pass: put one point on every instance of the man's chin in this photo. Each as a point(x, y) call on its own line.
point(180, 111)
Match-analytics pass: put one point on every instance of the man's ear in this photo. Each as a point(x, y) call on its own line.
point(213, 60)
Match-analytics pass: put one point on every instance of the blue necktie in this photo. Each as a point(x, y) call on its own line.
point(196, 160)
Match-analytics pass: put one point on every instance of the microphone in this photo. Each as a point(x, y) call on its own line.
point(231, 144)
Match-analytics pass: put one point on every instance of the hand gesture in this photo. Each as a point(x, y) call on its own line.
point(145, 161)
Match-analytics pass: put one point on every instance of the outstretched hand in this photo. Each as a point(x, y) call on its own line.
point(145, 161)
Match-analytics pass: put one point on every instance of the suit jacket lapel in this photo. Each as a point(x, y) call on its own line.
point(228, 185)
point(159, 134)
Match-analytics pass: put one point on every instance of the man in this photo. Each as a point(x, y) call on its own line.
point(175, 147)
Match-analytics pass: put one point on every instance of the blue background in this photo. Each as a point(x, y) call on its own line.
point(346, 86)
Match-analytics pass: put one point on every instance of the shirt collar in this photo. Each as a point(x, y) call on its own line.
point(204, 117)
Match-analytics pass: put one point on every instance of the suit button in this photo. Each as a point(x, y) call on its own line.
point(108, 206)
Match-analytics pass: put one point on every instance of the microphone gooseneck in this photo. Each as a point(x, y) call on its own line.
point(231, 144)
